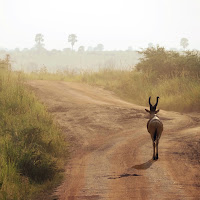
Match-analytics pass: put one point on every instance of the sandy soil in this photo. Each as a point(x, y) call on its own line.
point(111, 150)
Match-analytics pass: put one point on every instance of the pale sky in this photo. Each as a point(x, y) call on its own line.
point(116, 24)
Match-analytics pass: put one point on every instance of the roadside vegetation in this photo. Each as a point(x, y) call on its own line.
point(31, 145)
point(174, 76)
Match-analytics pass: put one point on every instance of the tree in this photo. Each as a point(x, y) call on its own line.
point(90, 48)
point(150, 45)
point(81, 49)
point(99, 47)
point(72, 38)
point(158, 63)
point(67, 50)
point(130, 48)
point(39, 39)
point(184, 43)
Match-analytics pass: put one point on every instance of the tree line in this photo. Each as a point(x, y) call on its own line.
point(72, 39)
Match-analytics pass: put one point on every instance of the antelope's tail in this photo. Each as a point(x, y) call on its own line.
point(155, 135)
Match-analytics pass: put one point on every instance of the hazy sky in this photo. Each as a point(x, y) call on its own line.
point(115, 23)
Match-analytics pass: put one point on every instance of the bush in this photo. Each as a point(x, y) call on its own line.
point(159, 63)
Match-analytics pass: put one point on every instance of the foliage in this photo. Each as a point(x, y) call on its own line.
point(159, 63)
point(39, 39)
point(34, 60)
point(72, 38)
point(173, 76)
point(184, 42)
point(177, 93)
point(99, 47)
point(31, 144)
point(81, 49)
point(5, 64)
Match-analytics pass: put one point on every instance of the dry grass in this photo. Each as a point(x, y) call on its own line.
point(172, 76)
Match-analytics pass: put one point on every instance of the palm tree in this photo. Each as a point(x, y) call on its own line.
point(72, 38)
point(39, 39)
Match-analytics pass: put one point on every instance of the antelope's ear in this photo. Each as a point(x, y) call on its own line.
point(157, 111)
point(147, 110)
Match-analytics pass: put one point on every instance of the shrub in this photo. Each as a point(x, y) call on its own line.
point(159, 63)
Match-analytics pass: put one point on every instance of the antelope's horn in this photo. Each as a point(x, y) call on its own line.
point(156, 102)
point(150, 101)
point(151, 107)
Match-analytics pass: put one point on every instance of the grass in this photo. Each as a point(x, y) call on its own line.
point(44, 74)
point(32, 146)
point(176, 94)
point(173, 76)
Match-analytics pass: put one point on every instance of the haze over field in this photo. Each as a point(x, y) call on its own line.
point(75, 81)
point(116, 24)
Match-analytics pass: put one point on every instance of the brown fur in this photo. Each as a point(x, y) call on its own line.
point(154, 127)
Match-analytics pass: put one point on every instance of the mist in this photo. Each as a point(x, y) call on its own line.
point(121, 28)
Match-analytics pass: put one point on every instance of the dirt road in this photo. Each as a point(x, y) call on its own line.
point(111, 149)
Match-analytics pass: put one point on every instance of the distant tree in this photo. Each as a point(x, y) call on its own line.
point(184, 43)
point(67, 50)
point(5, 63)
point(17, 50)
point(25, 50)
point(169, 64)
point(90, 48)
point(173, 49)
point(130, 48)
point(99, 47)
point(81, 49)
point(150, 45)
point(39, 39)
point(55, 51)
point(72, 38)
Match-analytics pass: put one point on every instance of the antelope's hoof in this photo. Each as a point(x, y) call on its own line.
point(155, 157)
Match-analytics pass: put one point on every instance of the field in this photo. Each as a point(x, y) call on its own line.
point(77, 111)
point(173, 76)
point(55, 60)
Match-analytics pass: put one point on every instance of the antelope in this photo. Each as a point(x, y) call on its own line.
point(154, 127)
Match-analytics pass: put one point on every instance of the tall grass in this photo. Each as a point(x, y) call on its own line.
point(44, 74)
point(174, 76)
point(31, 144)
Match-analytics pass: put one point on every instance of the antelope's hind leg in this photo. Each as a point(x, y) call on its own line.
point(154, 148)
point(157, 142)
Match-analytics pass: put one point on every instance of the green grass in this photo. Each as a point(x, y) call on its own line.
point(32, 147)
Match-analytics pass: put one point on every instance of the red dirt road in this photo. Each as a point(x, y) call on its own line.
point(111, 149)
